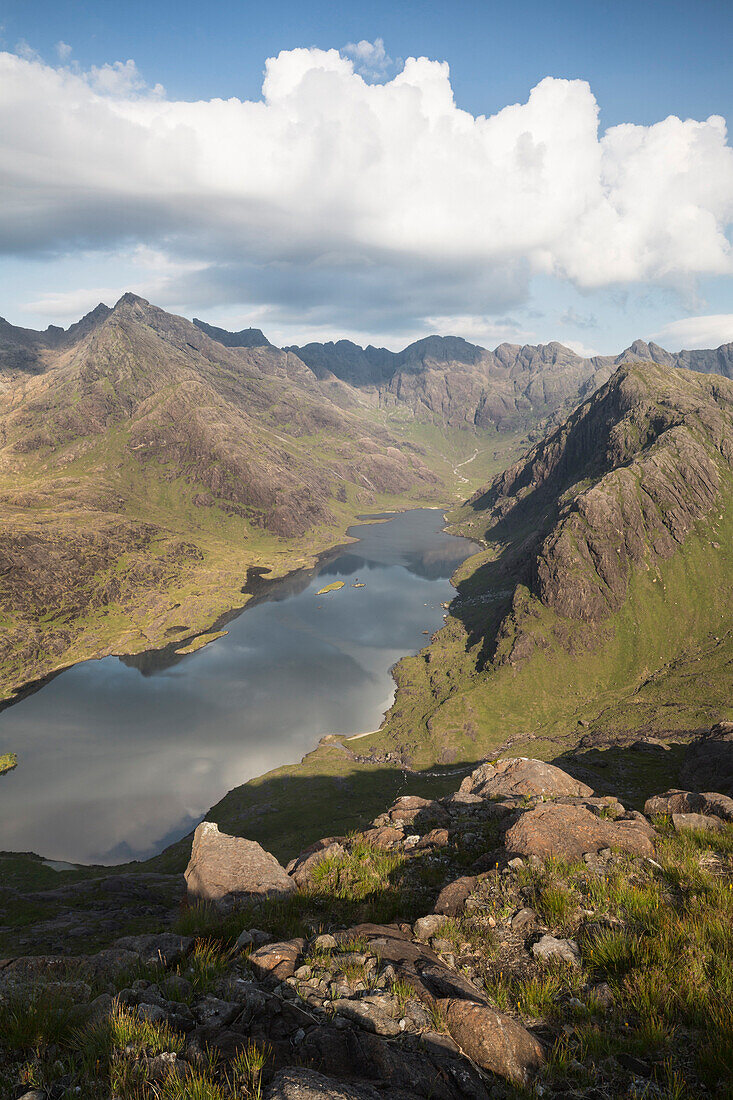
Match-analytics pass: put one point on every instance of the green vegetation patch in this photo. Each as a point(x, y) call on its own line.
point(8, 761)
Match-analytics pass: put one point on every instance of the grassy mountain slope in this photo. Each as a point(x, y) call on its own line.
point(144, 467)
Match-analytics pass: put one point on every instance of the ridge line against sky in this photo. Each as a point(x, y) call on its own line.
point(354, 197)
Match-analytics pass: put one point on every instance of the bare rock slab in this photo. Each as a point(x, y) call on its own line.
point(568, 832)
point(495, 1042)
point(224, 869)
point(522, 777)
point(305, 1084)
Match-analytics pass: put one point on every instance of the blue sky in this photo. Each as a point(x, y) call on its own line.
point(319, 217)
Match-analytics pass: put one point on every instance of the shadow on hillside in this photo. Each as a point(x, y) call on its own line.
point(287, 812)
point(633, 771)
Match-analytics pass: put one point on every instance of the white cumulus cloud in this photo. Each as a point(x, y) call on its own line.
point(341, 196)
point(697, 332)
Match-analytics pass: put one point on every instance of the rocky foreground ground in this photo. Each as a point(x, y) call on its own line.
point(524, 936)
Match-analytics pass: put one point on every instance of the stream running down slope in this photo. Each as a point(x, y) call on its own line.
point(119, 757)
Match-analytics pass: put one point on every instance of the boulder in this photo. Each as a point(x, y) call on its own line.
point(524, 920)
point(494, 1042)
point(696, 821)
point(521, 777)
point(548, 947)
point(277, 959)
point(224, 869)
point(689, 802)
point(426, 927)
point(410, 808)
point(384, 837)
point(452, 898)
point(568, 832)
point(301, 868)
point(436, 838)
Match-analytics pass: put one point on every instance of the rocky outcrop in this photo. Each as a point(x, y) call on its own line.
point(521, 777)
point(464, 1002)
point(226, 869)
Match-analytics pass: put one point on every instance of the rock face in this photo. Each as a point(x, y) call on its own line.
point(649, 450)
point(568, 832)
point(223, 869)
point(521, 777)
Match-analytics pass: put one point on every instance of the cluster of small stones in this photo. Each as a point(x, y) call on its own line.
point(395, 1011)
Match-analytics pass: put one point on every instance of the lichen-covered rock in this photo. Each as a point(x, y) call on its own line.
point(426, 927)
point(296, 1083)
point(521, 777)
point(549, 947)
point(696, 821)
point(493, 1041)
point(690, 802)
point(568, 832)
point(223, 869)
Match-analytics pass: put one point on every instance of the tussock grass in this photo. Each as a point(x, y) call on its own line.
point(31, 1021)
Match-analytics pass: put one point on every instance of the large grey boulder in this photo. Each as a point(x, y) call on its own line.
point(224, 869)
point(521, 777)
point(690, 802)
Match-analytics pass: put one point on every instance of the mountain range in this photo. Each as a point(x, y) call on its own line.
point(147, 463)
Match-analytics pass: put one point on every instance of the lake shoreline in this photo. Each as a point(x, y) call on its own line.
point(420, 539)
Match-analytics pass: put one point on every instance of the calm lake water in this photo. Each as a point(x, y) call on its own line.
point(119, 757)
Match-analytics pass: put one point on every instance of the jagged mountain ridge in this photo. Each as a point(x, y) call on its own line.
point(616, 488)
point(604, 594)
point(443, 379)
point(449, 380)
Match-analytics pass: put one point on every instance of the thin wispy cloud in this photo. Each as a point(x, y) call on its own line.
point(370, 59)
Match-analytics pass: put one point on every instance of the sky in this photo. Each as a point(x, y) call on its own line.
point(378, 172)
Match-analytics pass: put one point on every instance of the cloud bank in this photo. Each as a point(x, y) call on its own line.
point(337, 195)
